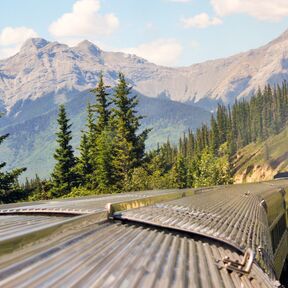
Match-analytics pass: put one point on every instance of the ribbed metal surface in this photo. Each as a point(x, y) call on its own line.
point(32, 219)
point(115, 255)
point(234, 216)
point(105, 254)
point(14, 225)
point(80, 205)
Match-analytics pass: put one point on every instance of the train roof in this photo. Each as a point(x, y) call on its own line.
point(228, 215)
point(204, 240)
point(116, 255)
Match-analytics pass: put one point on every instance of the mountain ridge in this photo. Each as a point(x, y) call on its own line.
point(42, 67)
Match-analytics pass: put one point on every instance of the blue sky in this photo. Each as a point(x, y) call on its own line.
point(167, 32)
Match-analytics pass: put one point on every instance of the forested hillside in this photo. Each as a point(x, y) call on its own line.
point(211, 155)
point(112, 158)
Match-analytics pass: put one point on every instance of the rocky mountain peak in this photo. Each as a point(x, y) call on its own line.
point(89, 47)
point(284, 35)
point(34, 43)
point(45, 68)
point(283, 38)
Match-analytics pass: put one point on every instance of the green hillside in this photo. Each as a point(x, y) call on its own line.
point(262, 160)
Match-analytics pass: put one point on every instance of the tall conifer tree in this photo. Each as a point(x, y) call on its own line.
point(104, 167)
point(86, 161)
point(129, 147)
point(101, 107)
point(63, 176)
point(84, 166)
point(103, 146)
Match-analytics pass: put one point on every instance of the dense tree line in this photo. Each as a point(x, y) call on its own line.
point(112, 151)
point(245, 122)
point(204, 158)
point(111, 145)
point(112, 154)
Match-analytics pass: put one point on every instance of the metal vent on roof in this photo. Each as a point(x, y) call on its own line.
point(243, 267)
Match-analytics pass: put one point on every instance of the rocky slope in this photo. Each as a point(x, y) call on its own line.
point(261, 161)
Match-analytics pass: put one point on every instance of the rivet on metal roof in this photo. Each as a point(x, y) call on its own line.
point(247, 193)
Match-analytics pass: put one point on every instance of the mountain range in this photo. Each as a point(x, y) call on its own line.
point(42, 67)
point(44, 74)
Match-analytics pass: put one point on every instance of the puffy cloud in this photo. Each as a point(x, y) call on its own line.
point(271, 10)
point(11, 39)
point(161, 51)
point(201, 20)
point(84, 20)
point(14, 36)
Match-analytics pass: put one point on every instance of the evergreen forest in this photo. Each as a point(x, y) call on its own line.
point(112, 156)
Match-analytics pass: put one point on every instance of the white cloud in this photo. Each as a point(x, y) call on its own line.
point(11, 39)
point(7, 52)
point(162, 51)
point(201, 20)
point(180, 1)
point(85, 21)
point(17, 35)
point(271, 10)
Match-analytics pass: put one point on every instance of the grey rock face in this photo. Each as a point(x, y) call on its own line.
point(43, 67)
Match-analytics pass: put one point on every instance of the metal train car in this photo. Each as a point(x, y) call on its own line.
point(274, 202)
point(226, 236)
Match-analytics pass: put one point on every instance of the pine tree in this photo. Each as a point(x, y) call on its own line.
point(104, 167)
point(90, 125)
point(181, 172)
point(9, 187)
point(129, 147)
point(101, 107)
point(83, 167)
point(191, 145)
point(214, 136)
point(102, 147)
point(63, 176)
point(86, 165)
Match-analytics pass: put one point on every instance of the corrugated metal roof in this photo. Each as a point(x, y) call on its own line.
point(115, 255)
point(26, 229)
point(94, 254)
point(81, 205)
point(14, 225)
point(232, 215)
